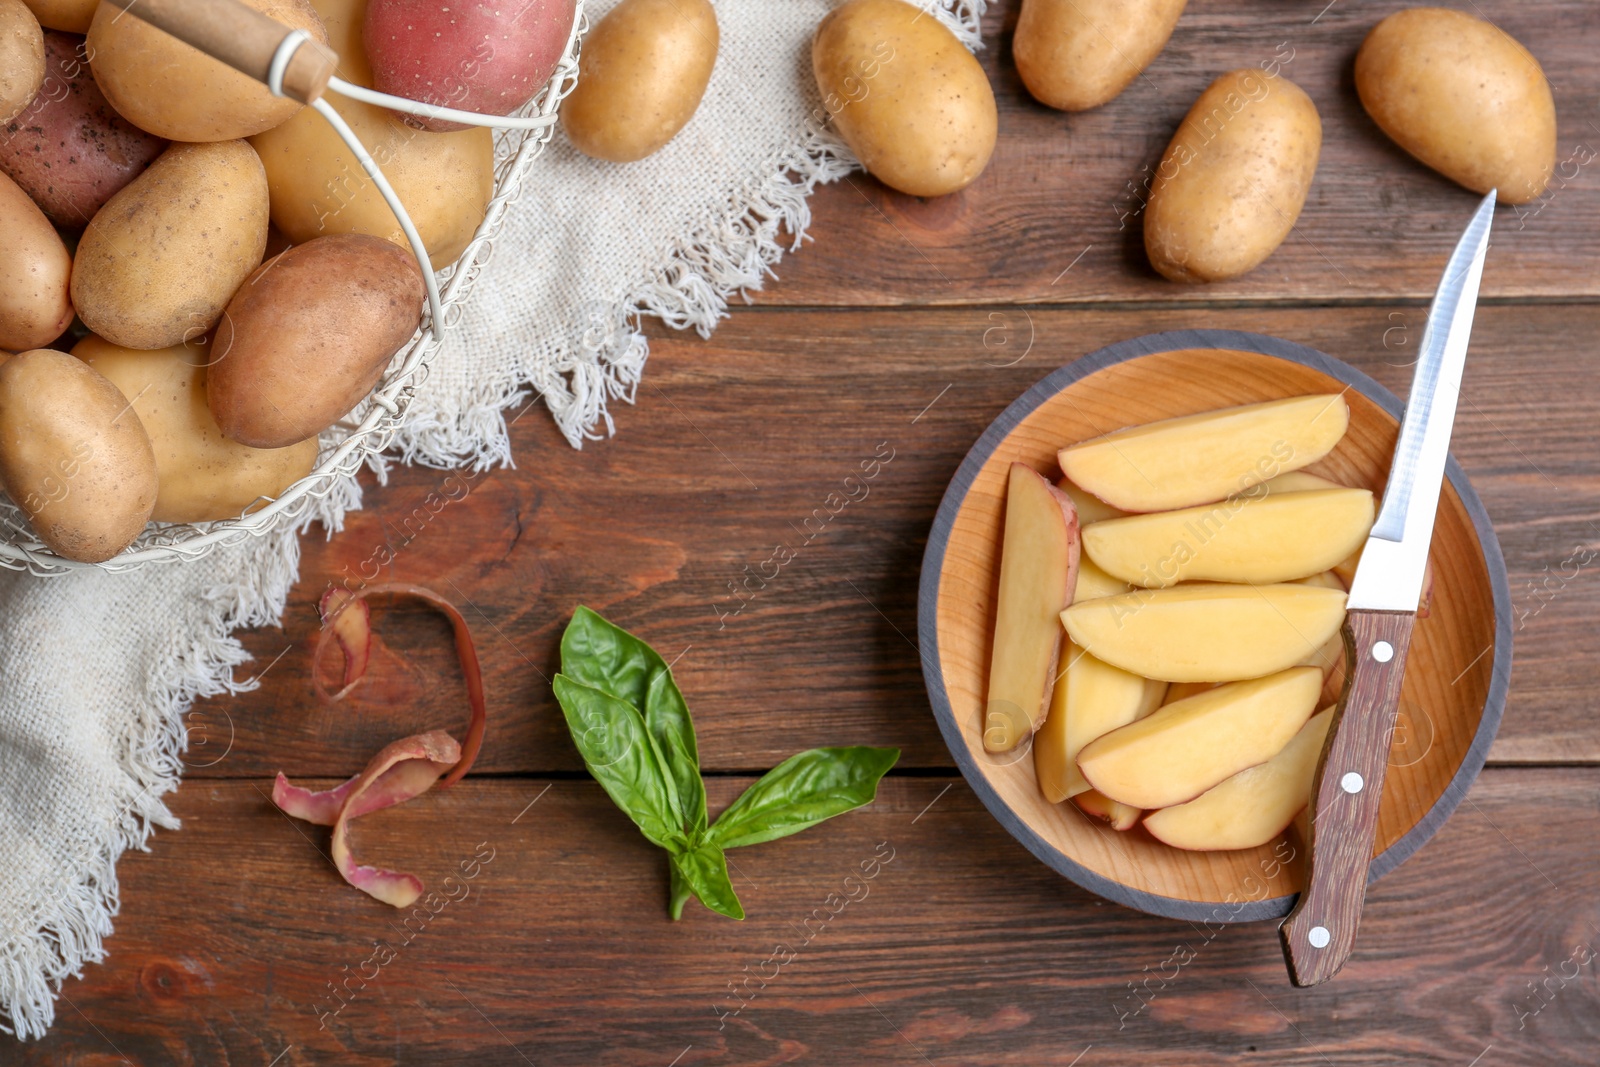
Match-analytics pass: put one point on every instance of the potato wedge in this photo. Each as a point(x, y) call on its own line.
point(1186, 748)
point(1300, 482)
point(1199, 459)
point(1038, 570)
point(1096, 804)
point(1090, 507)
point(1094, 583)
point(1255, 537)
point(1207, 632)
point(1252, 807)
point(1090, 698)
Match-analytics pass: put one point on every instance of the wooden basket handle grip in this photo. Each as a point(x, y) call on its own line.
point(241, 37)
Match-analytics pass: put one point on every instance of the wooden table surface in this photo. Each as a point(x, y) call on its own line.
point(906, 326)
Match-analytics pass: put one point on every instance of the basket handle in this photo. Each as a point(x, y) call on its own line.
point(241, 37)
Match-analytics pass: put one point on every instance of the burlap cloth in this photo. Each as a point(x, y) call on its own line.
point(97, 671)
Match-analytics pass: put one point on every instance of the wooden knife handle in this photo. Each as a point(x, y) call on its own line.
point(239, 36)
point(1345, 796)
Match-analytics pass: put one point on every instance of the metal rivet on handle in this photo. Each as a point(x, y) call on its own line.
point(1383, 652)
point(1319, 936)
point(1352, 782)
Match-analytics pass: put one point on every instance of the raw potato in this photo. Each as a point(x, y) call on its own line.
point(1234, 178)
point(645, 68)
point(445, 180)
point(70, 150)
point(159, 262)
point(35, 270)
point(1198, 459)
point(174, 90)
point(906, 95)
point(1090, 698)
point(309, 335)
point(1093, 582)
point(73, 455)
point(1463, 97)
point(1252, 807)
point(1078, 54)
point(486, 56)
point(21, 58)
point(1207, 632)
point(202, 476)
point(73, 16)
point(1299, 482)
point(1119, 816)
point(1185, 748)
point(1256, 537)
point(1090, 507)
point(1038, 572)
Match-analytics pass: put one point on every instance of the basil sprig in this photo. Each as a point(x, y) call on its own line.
point(632, 727)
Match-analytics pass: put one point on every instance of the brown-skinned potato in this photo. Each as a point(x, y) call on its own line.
point(1077, 54)
point(906, 95)
point(645, 67)
point(159, 262)
point(35, 270)
point(308, 335)
point(203, 475)
point(1232, 182)
point(21, 58)
point(73, 455)
point(174, 90)
point(1463, 97)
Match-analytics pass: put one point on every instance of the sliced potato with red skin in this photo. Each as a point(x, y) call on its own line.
point(1186, 748)
point(1199, 459)
point(1207, 631)
point(1252, 807)
point(1038, 571)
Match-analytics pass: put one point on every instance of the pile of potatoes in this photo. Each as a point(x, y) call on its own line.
point(155, 364)
point(1455, 91)
point(1168, 620)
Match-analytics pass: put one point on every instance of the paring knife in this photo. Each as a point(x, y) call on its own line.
point(1348, 787)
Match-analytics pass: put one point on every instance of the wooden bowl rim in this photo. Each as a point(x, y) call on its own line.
point(928, 632)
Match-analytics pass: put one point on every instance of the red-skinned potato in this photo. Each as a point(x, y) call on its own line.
point(70, 150)
point(467, 54)
point(73, 455)
point(35, 273)
point(308, 335)
point(21, 58)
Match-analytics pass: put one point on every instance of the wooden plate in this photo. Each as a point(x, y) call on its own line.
point(1456, 678)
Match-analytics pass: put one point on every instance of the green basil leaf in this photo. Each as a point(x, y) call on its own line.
point(802, 791)
point(705, 869)
point(666, 716)
point(606, 657)
point(622, 757)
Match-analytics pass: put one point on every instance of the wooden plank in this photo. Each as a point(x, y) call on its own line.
point(734, 448)
point(960, 949)
point(1056, 216)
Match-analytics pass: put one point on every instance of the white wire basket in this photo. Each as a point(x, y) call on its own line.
point(368, 430)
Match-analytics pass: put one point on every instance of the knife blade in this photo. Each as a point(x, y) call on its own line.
point(1347, 790)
